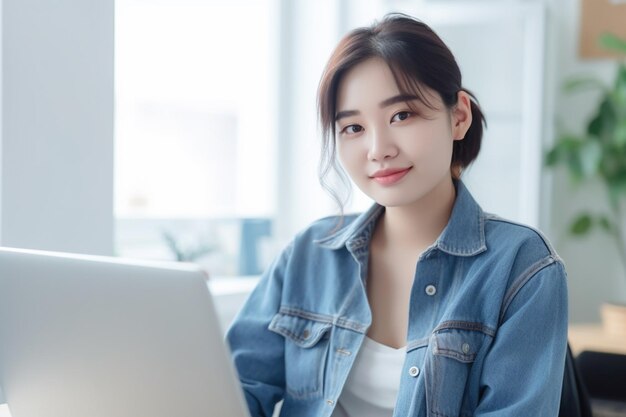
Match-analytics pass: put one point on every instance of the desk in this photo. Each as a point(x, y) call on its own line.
point(592, 337)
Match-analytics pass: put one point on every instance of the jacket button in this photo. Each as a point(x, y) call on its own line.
point(465, 348)
point(431, 290)
point(414, 371)
point(306, 334)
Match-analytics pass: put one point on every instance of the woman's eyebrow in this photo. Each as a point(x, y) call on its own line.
point(400, 98)
point(346, 113)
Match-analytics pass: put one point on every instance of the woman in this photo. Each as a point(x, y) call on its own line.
point(424, 305)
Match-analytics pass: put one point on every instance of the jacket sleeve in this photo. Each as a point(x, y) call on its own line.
point(258, 353)
point(523, 371)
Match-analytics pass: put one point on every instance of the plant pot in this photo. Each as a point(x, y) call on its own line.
point(614, 318)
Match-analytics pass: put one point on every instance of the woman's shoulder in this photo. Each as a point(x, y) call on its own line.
point(524, 240)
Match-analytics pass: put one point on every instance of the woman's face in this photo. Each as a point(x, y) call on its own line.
point(393, 154)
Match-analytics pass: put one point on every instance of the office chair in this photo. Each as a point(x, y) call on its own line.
point(604, 376)
point(574, 397)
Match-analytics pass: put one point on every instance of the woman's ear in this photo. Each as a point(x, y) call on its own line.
point(461, 116)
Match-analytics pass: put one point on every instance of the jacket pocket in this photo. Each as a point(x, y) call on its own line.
point(452, 355)
point(306, 351)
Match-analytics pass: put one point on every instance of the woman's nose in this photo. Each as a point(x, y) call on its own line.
point(381, 146)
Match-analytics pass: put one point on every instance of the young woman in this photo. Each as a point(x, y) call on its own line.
point(424, 305)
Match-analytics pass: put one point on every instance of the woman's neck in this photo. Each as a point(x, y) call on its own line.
point(417, 226)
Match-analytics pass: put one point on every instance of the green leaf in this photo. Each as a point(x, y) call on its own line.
point(581, 225)
point(619, 93)
point(620, 134)
point(590, 154)
point(611, 42)
point(606, 224)
point(621, 75)
point(613, 162)
point(582, 156)
point(595, 126)
point(583, 83)
point(552, 157)
point(562, 149)
point(617, 187)
point(603, 123)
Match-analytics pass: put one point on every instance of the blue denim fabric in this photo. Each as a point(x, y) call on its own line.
point(490, 340)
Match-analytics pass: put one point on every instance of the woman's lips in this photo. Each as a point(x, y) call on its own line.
point(389, 177)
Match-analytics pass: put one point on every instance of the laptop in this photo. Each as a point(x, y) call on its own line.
point(91, 336)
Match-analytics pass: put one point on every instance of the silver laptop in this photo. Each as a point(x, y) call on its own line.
point(87, 336)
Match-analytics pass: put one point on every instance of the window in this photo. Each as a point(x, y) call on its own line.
point(194, 136)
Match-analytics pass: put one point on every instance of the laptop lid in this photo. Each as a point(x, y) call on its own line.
point(105, 337)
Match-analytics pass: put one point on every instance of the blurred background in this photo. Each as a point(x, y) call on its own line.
point(186, 129)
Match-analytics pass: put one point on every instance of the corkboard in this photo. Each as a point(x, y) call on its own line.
point(598, 17)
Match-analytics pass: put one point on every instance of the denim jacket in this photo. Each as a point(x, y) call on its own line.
point(487, 329)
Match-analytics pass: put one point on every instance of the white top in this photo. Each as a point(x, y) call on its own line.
point(373, 383)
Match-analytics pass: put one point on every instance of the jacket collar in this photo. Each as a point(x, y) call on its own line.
point(464, 235)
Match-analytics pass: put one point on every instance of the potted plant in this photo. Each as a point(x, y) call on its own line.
point(600, 153)
point(186, 252)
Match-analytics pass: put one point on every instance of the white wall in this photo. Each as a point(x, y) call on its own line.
point(594, 269)
point(57, 125)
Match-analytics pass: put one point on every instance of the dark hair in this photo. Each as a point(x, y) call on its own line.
point(417, 58)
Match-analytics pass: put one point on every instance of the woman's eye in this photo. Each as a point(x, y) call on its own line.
point(352, 129)
point(400, 116)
